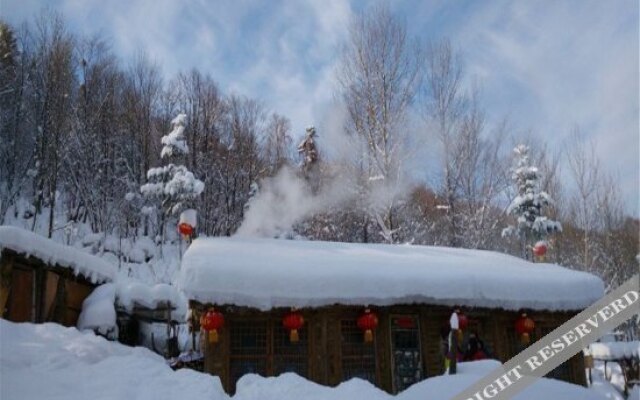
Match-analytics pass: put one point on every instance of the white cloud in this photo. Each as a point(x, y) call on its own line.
point(551, 65)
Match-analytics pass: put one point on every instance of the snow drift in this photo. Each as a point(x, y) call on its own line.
point(49, 361)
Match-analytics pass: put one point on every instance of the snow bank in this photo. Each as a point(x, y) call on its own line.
point(48, 361)
point(634, 393)
point(28, 243)
point(292, 387)
point(447, 386)
point(610, 388)
point(98, 311)
point(615, 350)
point(267, 273)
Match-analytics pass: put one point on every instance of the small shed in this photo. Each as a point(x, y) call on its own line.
point(256, 284)
point(141, 303)
point(44, 281)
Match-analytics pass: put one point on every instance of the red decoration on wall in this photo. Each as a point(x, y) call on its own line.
point(211, 322)
point(524, 326)
point(293, 322)
point(368, 322)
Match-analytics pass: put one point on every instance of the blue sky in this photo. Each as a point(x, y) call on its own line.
point(547, 65)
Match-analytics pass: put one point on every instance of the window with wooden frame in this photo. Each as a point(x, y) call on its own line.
point(358, 357)
point(248, 350)
point(563, 371)
point(515, 342)
point(406, 351)
point(263, 347)
point(290, 356)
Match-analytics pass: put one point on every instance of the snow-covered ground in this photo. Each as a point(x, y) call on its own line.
point(48, 361)
point(607, 374)
point(293, 387)
point(610, 385)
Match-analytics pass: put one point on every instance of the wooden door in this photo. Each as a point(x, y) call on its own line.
point(20, 304)
point(75, 293)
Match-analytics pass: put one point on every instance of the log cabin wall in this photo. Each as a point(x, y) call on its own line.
point(33, 291)
point(332, 350)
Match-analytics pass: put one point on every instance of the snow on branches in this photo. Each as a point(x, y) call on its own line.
point(173, 185)
point(175, 143)
point(529, 203)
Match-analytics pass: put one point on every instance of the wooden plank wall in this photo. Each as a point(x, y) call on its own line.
point(38, 292)
point(494, 327)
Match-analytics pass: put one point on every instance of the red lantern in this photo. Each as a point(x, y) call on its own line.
point(211, 322)
point(293, 322)
point(463, 322)
point(368, 322)
point(187, 223)
point(540, 248)
point(185, 229)
point(524, 327)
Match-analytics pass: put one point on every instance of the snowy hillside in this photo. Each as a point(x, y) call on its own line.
point(48, 361)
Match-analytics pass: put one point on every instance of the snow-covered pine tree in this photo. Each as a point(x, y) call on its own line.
point(307, 148)
point(173, 186)
point(310, 160)
point(529, 203)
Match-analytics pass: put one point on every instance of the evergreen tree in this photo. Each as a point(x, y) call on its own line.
point(173, 186)
point(529, 204)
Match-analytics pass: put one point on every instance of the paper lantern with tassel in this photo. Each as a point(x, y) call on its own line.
point(524, 326)
point(212, 321)
point(463, 322)
point(293, 322)
point(368, 322)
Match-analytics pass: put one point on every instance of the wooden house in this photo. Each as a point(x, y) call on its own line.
point(44, 281)
point(252, 293)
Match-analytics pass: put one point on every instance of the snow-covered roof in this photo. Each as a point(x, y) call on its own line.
point(28, 243)
point(267, 273)
point(99, 309)
point(131, 293)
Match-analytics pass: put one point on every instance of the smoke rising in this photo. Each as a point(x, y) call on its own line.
point(286, 199)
